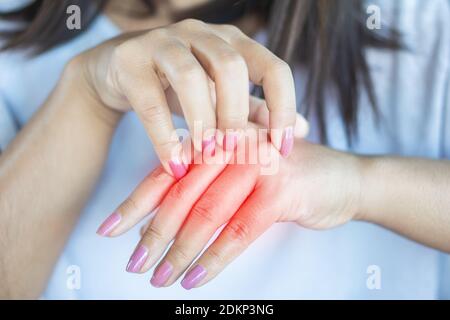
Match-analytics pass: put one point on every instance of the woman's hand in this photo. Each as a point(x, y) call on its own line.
point(316, 187)
point(196, 69)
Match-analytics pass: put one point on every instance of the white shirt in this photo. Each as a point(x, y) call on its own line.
point(413, 92)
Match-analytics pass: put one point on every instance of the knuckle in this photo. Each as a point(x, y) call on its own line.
point(203, 210)
point(122, 53)
point(157, 34)
point(179, 253)
point(215, 257)
point(157, 176)
point(231, 63)
point(190, 23)
point(240, 231)
point(178, 191)
point(231, 30)
point(189, 73)
point(129, 205)
point(151, 113)
point(153, 234)
point(280, 68)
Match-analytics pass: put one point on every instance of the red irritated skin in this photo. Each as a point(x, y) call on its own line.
point(315, 187)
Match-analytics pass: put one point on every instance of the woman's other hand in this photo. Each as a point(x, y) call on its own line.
point(200, 68)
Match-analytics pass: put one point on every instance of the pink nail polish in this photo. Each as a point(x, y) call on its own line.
point(109, 224)
point(209, 147)
point(161, 274)
point(230, 141)
point(194, 277)
point(288, 142)
point(178, 168)
point(137, 259)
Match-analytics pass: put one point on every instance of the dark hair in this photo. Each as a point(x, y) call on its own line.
point(328, 37)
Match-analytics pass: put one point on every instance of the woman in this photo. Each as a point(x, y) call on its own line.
point(358, 75)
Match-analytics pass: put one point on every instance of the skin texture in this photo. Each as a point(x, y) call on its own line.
point(317, 188)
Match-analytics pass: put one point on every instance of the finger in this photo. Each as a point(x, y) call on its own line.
point(216, 206)
point(276, 78)
point(145, 227)
point(142, 87)
point(191, 84)
point(172, 212)
point(228, 70)
point(259, 114)
point(251, 220)
point(142, 201)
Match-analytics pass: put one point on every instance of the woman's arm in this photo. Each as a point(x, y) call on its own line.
point(46, 175)
point(408, 196)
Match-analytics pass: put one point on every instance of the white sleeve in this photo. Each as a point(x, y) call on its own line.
point(8, 126)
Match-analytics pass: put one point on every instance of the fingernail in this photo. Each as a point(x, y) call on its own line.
point(109, 224)
point(288, 142)
point(161, 274)
point(209, 146)
point(137, 259)
point(230, 141)
point(193, 277)
point(179, 169)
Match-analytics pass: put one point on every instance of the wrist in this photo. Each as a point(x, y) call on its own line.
point(367, 176)
point(353, 184)
point(340, 174)
point(74, 83)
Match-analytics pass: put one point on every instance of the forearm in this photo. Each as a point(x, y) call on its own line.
point(46, 175)
point(410, 197)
